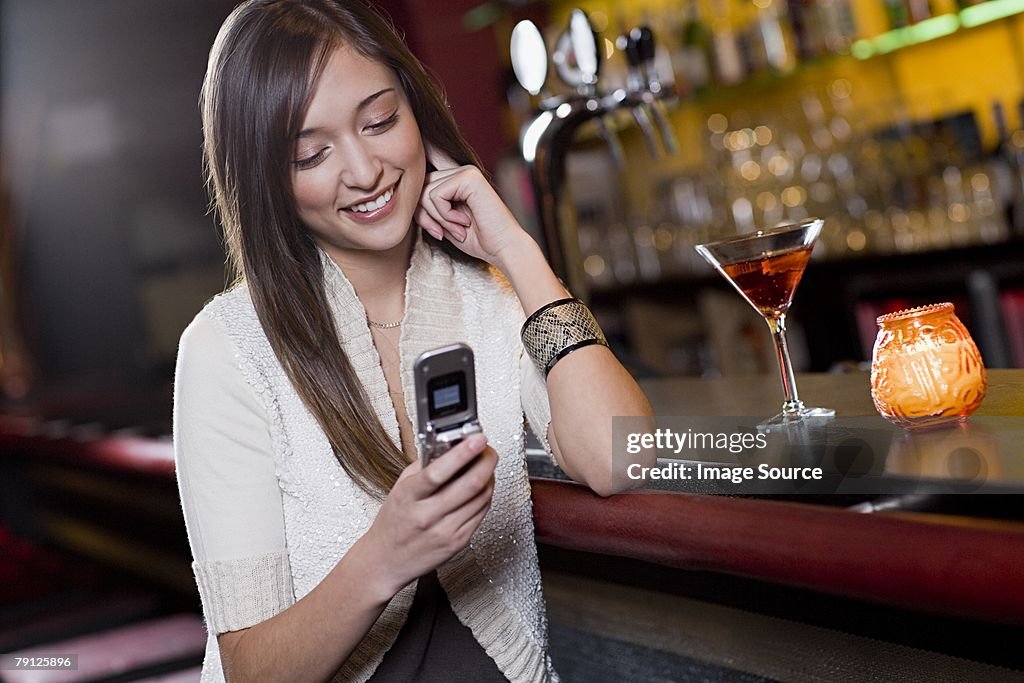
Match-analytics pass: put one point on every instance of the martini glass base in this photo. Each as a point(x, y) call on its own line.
point(787, 418)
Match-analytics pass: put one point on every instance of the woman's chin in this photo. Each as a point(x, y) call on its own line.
point(383, 242)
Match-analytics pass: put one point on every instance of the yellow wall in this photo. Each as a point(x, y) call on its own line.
point(969, 69)
point(966, 70)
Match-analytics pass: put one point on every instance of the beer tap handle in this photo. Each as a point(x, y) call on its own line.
point(626, 43)
point(611, 139)
point(644, 39)
point(637, 87)
point(642, 116)
point(668, 135)
point(584, 46)
point(529, 57)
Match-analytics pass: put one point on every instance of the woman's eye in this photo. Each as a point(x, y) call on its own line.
point(385, 124)
point(311, 161)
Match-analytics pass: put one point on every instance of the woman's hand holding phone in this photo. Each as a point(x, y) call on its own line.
point(431, 513)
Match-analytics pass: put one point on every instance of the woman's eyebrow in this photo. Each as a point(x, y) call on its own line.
point(369, 100)
point(308, 132)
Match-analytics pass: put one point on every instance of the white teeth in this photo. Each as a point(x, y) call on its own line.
point(374, 204)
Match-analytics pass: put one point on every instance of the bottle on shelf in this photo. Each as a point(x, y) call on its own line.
point(807, 29)
point(919, 10)
point(1007, 167)
point(898, 14)
point(838, 27)
point(662, 69)
point(774, 35)
point(728, 57)
point(693, 55)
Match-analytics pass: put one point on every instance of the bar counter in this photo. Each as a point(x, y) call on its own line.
point(953, 557)
point(957, 559)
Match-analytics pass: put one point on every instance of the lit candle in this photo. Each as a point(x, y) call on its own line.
point(926, 370)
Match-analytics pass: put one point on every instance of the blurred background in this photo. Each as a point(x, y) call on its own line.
point(896, 121)
point(900, 128)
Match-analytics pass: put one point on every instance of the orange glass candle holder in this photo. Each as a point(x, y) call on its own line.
point(926, 370)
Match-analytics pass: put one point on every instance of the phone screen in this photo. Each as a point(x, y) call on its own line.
point(446, 394)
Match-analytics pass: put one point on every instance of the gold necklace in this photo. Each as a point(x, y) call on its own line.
point(383, 326)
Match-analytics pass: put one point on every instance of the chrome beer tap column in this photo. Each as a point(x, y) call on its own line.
point(547, 136)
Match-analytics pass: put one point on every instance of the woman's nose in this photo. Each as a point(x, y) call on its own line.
point(363, 168)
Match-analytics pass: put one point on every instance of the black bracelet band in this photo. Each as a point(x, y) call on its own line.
point(569, 349)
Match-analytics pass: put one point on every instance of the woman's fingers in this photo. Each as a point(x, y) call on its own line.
point(469, 483)
point(435, 176)
point(425, 221)
point(428, 222)
point(457, 186)
point(410, 470)
point(455, 230)
point(442, 194)
point(437, 201)
point(468, 209)
point(440, 471)
point(438, 159)
point(477, 509)
point(475, 503)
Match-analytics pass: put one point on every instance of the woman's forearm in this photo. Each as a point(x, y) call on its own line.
point(311, 640)
point(586, 389)
point(531, 277)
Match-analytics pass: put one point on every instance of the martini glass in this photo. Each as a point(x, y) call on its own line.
point(765, 268)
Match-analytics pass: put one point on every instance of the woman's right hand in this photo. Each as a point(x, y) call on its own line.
point(431, 514)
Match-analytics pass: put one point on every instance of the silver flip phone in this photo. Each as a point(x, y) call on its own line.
point(445, 400)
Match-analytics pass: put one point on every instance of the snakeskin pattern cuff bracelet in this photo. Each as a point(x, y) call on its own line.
point(557, 329)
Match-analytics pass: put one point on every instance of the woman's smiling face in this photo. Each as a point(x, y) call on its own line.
point(358, 164)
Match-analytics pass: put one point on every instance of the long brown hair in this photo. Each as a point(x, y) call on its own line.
point(262, 73)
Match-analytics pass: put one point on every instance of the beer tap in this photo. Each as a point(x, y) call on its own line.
point(547, 136)
point(578, 63)
point(652, 89)
point(635, 86)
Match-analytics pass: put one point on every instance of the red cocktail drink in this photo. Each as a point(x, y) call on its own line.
point(765, 269)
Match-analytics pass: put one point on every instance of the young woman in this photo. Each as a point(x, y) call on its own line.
point(362, 233)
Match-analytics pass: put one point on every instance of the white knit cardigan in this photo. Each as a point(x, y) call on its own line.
point(494, 584)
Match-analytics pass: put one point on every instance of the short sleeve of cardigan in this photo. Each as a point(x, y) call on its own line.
point(229, 491)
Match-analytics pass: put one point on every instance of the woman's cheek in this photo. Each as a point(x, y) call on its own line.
point(412, 142)
point(312, 191)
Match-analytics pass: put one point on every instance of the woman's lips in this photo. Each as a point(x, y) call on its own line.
point(376, 214)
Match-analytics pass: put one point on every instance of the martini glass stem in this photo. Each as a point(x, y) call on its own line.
point(792, 405)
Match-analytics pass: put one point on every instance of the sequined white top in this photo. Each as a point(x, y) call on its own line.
point(268, 509)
